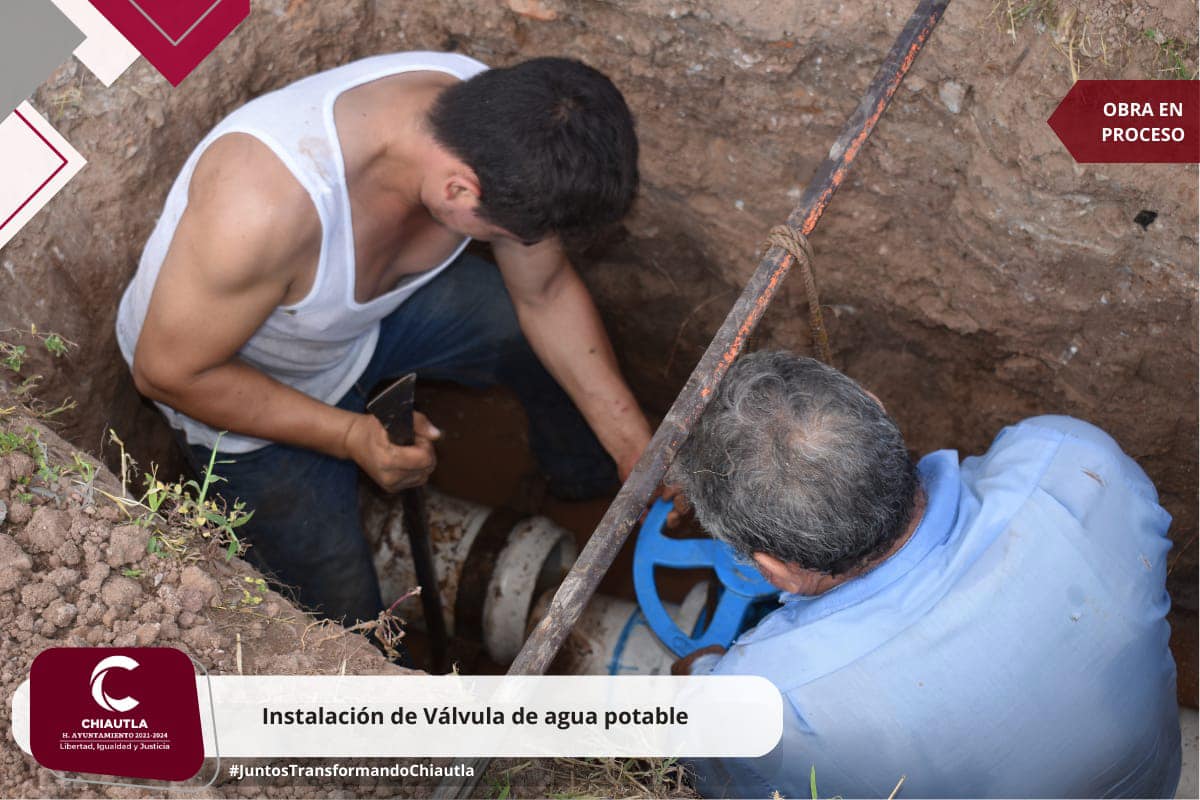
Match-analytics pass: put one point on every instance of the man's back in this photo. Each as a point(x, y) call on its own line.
point(1015, 646)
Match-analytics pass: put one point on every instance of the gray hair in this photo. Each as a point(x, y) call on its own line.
point(794, 459)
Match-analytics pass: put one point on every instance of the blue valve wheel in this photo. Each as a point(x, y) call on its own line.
point(741, 585)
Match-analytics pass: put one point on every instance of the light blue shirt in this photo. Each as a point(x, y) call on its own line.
point(1015, 646)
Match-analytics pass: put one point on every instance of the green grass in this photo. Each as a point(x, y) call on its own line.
point(178, 513)
point(13, 354)
point(1172, 54)
point(501, 787)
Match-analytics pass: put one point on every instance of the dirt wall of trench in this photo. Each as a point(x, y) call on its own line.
point(972, 273)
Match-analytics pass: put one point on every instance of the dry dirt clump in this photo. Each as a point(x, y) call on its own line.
point(76, 571)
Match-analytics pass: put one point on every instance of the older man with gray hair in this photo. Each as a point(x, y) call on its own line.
point(989, 628)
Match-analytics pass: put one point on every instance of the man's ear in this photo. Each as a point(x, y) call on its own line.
point(462, 190)
point(777, 572)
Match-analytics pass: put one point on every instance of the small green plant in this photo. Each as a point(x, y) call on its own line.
point(56, 345)
point(46, 470)
point(501, 787)
point(15, 351)
point(208, 511)
point(13, 442)
point(154, 546)
point(29, 441)
point(50, 413)
point(175, 513)
point(812, 786)
point(132, 573)
point(84, 468)
point(13, 354)
point(86, 471)
point(255, 593)
point(178, 512)
point(26, 386)
point(1172, 55)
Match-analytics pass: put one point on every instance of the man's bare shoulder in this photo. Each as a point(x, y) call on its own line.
point(247, 210)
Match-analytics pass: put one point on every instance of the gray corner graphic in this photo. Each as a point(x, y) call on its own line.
point(35, 38)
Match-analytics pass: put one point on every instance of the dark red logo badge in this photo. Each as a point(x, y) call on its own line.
point(174, 35)
point(131, 712)
point(1130, 122)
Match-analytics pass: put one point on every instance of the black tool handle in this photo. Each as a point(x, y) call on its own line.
point(394, 408)
point(416, 522)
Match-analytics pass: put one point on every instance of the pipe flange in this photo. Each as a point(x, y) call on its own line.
point(537, 555)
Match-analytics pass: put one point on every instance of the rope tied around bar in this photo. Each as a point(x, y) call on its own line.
point(797, 246)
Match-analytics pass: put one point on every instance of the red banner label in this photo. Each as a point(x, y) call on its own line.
point(1130, 122)
point(131, 712)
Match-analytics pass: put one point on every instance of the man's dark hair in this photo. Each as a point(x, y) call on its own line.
point(794, 459)
point(551, 141)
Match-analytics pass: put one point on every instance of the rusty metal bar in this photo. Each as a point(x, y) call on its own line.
point(545, 640)
point(597, 556)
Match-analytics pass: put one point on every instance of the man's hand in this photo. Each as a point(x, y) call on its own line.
point(682, 507)
point(391, 466)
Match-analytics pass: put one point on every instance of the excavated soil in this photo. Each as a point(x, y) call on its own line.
point(75, 572)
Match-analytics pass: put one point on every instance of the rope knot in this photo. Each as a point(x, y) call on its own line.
point(796, 244)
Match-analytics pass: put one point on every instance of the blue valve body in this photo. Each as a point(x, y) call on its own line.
point(742, 587)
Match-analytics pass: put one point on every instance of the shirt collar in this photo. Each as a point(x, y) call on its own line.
point(940, 479)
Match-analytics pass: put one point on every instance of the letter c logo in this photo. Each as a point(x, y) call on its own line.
point(102, 699)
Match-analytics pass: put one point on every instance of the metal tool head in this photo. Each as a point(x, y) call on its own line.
point(393, 406)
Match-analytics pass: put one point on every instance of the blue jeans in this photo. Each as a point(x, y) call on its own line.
point(460, 327)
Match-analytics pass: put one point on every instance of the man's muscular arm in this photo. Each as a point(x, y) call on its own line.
point(238, 248)
point(560, 321)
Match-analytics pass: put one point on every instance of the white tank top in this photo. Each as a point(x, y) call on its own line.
point(322, 344)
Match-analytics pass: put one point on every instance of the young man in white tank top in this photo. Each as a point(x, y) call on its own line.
point(312, 247)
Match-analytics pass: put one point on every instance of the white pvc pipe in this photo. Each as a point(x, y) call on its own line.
point(535, 557)
point(613, 638)
point(453, 525)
